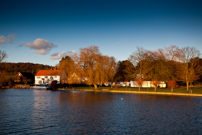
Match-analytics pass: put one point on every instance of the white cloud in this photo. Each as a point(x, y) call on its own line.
point(63, 54)
point(9, 39)
point(2, 39)
point(41, 46)
point(42, 51)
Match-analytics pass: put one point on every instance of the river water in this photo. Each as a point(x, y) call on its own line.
point(27, 111)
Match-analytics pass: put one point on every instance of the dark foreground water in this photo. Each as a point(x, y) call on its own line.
point(25, 111)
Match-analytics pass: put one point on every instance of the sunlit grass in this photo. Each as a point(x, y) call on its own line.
point(193, 90)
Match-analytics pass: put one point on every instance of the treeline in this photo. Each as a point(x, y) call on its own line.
point(13, 68)
point(91, 67)
point(170, 65)
point(9, 70)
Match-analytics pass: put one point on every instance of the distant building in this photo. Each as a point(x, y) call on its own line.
point(148, 84)
point(145, 84)
point(44, 77)
point(24, 78)
point(75, 79)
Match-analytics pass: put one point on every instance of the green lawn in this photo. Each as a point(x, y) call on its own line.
point(194, 90)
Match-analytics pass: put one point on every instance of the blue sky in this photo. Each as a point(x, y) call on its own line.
point(38, 31)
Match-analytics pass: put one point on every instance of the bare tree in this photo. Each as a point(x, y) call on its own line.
point(188, 68)
point(3, 55)
point(140, 59)
point(173, 53)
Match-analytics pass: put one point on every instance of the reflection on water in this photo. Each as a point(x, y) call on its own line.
point(77, 112)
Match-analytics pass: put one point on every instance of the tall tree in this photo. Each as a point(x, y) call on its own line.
point(160, 68)
point(141, 61)
point(110, 68)
point(200, 69)
point(68, 66)
point(189, 65)
point(95, 66)
point(88, 59)
point(125, 71)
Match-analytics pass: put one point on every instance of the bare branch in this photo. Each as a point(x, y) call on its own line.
point(3, 55)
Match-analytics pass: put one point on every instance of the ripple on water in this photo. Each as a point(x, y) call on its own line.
point(70, 112)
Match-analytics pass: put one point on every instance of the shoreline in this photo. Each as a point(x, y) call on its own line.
point(132, 92)
point(140, 92)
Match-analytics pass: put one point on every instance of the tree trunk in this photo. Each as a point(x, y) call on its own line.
point(111, 85)
point(95, 86)
point(139, 88)
point(190, 85)
point(172, 89)
point(187, 86)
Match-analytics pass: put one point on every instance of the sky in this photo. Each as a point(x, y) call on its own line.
point(44, 31)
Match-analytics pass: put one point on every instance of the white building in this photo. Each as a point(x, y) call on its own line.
point(44, 77)
point(148, 84)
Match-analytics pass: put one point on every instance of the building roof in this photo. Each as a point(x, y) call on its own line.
point(48, 72)
point(26, 74)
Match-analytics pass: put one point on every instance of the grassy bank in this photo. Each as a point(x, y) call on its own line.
point(176, 91)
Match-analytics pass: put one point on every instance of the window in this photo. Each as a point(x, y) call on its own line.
point(47, 80)
point(38, 77)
